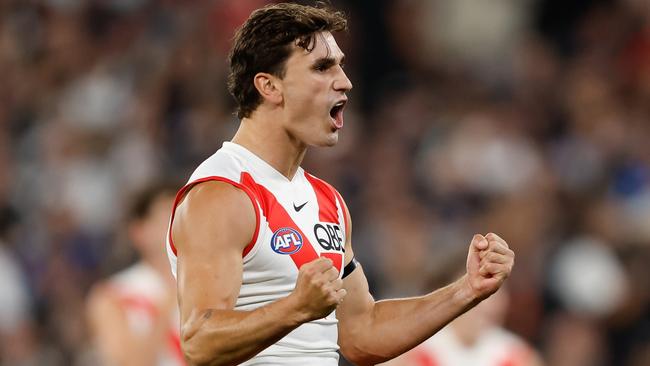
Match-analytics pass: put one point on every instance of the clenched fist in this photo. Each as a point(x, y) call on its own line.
point(318, 289)
point(489, 263)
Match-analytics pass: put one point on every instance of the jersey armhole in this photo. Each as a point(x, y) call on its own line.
point(344, 209)
point(181, 193)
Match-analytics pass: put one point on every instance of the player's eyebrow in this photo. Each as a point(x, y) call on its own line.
point(326, 62)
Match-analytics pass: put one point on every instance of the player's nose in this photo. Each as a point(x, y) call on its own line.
point(342, 82)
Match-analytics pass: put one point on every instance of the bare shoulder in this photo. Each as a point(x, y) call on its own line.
point(102, 307)
point(214, 208)
point(97, 297)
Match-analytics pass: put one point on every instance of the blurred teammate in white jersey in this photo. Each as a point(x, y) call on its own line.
point(262, 249)
point(476, 338)
point(133, 315)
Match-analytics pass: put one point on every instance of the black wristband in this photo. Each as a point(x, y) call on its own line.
point(350, 267)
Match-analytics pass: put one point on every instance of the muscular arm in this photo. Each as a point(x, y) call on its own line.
point(212, 226)
point(372, 332)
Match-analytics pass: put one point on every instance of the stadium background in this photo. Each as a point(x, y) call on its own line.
point(530, 118)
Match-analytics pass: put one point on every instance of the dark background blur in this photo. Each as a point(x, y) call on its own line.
point(529, 118)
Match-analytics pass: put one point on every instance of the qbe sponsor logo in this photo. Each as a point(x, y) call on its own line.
point(329, 236)
point(286, 241)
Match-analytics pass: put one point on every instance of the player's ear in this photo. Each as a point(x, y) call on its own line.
point(269, 87)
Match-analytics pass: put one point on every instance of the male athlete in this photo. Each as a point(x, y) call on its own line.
point(261, 249)
point(133, 315)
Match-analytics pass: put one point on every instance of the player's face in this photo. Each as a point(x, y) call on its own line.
point(148, 234)
point(313, 89)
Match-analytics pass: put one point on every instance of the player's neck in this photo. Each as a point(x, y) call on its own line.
point(159, 265)
point(272, 144)
point(466, 334)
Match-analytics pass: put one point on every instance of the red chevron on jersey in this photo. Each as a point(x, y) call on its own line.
point(424, 359)
point(297, 221)
point(336, 258)
point(278, 218)
point(181, 194)
point(327, 197)
point(327, 210)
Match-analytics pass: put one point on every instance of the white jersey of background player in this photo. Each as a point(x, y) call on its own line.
point(133, 315)
point(476, 338)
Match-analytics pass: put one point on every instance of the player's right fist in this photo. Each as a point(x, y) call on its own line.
point(319, 290)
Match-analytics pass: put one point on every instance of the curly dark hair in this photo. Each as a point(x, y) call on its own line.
point(264, 42)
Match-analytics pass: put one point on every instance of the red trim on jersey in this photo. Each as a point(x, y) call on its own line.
point(278, 218)
point(139, 303)
point(344, 209)
point(423, 358)
point(327, 197)
point(327, 211)
point(516, 356)
point(337, 259)
point(246, 190)
point(174, 340)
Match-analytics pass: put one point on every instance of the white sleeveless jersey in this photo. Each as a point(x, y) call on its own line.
point(139, 289)
point(298, 221)
point(494, 347)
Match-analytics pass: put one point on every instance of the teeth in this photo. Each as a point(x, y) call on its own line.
point(336, 108)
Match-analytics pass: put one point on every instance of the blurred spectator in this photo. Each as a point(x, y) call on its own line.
point(16, 329)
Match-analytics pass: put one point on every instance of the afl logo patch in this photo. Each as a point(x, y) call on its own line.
point(286, 241)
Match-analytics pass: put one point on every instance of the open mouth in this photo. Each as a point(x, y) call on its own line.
point(337, 113)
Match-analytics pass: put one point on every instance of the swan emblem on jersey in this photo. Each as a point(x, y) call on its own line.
point(286, 241)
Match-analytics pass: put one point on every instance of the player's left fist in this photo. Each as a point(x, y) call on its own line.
point(489, 263)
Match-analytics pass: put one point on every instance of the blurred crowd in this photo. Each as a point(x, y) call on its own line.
point(529, 118)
